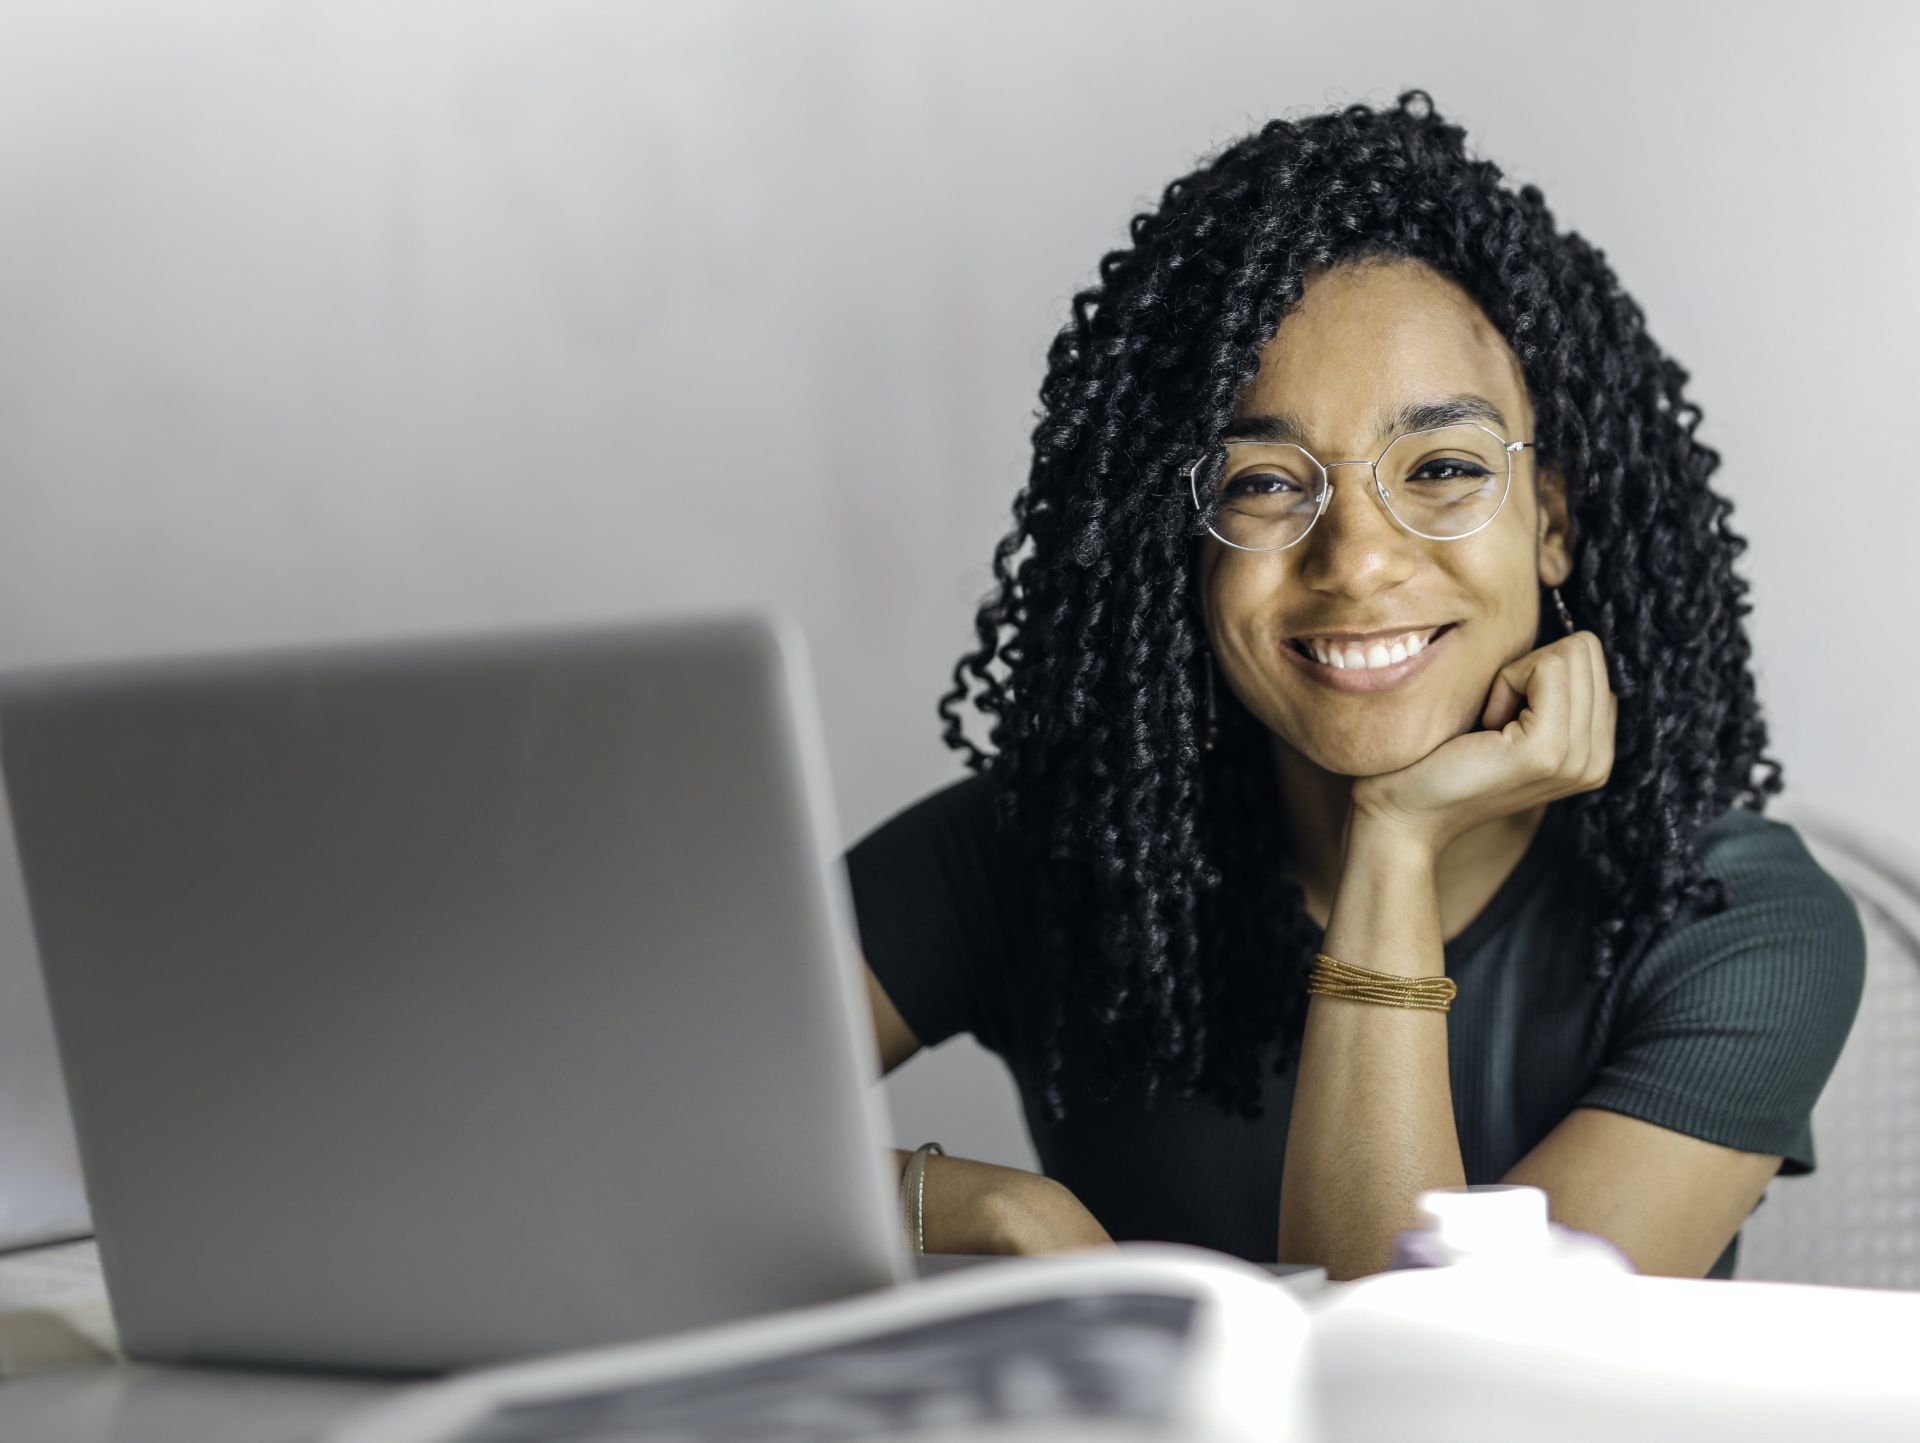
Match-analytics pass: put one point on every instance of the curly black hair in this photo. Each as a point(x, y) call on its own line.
point(1091, 642)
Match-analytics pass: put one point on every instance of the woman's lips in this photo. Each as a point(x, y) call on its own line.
point(1372, 678)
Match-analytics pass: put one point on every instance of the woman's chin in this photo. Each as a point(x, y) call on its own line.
point(1379, 744)
point(1354, 757)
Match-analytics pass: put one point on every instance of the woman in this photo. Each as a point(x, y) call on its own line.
point(1367, 601)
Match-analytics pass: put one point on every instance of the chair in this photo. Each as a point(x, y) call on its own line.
point(1855, 1221)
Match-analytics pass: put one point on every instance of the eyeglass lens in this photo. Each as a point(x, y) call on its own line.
point(1439, 483)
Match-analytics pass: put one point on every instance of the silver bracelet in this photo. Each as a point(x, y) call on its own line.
point(913, 1194)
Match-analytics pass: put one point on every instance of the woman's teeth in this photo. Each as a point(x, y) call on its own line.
point(1349, 656)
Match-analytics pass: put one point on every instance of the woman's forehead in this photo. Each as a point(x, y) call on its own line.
point(1365, 343)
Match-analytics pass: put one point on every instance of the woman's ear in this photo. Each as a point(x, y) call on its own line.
point(1554, 544)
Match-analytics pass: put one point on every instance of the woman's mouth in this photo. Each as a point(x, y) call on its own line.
point(1371, 665)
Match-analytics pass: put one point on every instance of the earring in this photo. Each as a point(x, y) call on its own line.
point(1566, 619)
point(1212, 734)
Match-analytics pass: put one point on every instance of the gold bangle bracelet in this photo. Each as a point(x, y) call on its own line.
point(1330, 977)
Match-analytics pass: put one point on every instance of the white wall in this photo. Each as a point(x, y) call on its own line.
point(349, 319)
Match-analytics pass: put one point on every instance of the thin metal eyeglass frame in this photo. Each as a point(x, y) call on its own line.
point(1326, 490)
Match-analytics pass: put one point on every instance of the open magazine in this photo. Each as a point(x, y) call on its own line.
point(1148, 1340)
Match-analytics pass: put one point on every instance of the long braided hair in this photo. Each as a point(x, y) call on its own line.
point(1178, 947)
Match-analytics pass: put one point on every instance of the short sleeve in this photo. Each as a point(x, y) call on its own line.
point(1729, 1025)
point(931, 889)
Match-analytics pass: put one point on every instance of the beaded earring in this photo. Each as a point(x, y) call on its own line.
point(1566, 618)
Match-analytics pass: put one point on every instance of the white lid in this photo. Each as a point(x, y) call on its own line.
point(1486, 1220)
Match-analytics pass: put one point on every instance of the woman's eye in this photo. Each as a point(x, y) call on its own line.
point(1450, 470)
point(1259, 483)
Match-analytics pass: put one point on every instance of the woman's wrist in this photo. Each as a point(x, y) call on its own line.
point(1386, 907)
point(1380, 843)
point(980, 1207)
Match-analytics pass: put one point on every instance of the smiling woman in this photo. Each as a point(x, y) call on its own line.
point(1367, 602)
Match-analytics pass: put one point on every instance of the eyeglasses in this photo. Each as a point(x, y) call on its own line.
point(1443, 483)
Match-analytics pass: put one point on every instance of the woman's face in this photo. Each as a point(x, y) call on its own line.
point(1365, 341)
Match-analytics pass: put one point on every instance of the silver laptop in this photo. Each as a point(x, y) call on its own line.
point(427, 1004)
point(41, 1199)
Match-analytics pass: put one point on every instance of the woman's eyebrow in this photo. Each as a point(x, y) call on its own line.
point(1414, 416)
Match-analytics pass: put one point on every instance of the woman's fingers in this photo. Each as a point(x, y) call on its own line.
point(1541, 678)
point(1606, 712)
point(1591, 711)
point(1562, 699)
point(1516, 690)
point(1579, 745)
point(1505, 700)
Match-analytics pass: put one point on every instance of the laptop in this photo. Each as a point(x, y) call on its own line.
point(431, 1003)
point(41, 1197)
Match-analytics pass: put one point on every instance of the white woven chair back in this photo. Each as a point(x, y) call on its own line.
point(1855, 1221)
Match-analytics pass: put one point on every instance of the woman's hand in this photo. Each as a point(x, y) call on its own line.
point(1559, 743)
point(978, 1207)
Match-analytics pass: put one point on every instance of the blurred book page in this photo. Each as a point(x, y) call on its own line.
point(1114, 1358)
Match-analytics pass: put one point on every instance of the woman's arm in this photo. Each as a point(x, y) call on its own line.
point(1373, 1116)
point(892, 1038)
point(1670, 1202)
point(1372, 1123)
point(980, 1207)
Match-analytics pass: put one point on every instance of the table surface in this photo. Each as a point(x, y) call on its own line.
point(128, 1401)
point(154, 1404)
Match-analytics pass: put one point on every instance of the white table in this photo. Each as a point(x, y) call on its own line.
point(106, 1399)
point(125, 1402)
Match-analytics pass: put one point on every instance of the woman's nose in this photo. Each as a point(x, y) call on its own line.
point(1356, 547)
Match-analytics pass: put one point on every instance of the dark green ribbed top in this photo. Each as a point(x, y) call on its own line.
point(1726, 1029)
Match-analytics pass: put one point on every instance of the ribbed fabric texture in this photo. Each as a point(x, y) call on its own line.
point(1725, 1030)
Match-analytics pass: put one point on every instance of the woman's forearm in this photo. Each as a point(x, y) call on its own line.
point(1372, 1122)
point(981, 1207)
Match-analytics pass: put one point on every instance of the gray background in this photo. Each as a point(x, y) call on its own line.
point(349, 319)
